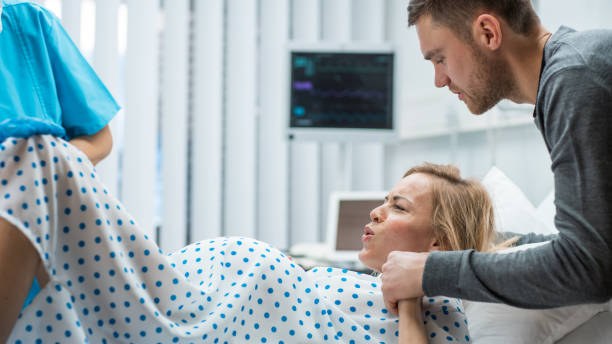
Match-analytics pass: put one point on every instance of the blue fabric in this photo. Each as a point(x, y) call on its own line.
point(34, 290)
point(47, 85)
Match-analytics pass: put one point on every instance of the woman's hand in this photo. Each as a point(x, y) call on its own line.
point(402, 277)
point(411, 329)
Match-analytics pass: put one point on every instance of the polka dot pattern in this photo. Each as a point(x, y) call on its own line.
point(110, 283)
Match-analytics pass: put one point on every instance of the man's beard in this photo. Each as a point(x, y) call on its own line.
point(492, 82)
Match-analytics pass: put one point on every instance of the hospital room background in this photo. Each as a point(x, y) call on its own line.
point(201, 147)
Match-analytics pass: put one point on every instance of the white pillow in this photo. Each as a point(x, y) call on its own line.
point(546, 211)
point(513, 211)
point(499, 323)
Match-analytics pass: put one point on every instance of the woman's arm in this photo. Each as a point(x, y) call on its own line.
point(96, 146)
point(411, 329)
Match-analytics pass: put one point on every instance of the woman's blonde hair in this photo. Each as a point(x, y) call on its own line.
point(462, 214)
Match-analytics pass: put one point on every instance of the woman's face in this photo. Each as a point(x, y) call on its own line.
point(401, 223)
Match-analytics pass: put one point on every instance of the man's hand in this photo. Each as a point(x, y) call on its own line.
point(402, 276)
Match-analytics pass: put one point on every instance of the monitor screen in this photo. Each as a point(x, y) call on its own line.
point(352, 90)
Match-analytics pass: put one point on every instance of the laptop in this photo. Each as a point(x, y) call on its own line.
point(348, 214)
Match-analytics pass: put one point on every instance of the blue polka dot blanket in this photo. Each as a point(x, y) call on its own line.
point(110, 283)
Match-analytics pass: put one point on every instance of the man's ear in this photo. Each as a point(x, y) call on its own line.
point(487, 32)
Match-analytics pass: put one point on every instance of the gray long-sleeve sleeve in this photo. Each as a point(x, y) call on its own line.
point(523, 239)
point(574, 114)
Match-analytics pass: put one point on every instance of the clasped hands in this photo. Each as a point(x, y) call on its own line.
point(402, 277)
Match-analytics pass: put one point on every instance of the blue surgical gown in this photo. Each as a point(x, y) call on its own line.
point(46, 85)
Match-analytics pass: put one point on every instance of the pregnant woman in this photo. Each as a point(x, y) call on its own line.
point(108, 282)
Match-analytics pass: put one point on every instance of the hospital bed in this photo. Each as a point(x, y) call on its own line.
point(491, 323)
point(598, 330)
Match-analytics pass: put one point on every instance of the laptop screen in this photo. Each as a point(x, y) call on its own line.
point(353, 215)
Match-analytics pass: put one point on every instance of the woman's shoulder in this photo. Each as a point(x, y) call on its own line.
point(445, 319)
point(329, 271)
point(442, 305)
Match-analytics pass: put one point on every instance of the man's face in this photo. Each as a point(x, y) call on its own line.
point(478, 79)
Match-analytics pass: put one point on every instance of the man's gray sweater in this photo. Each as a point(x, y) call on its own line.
point(574, 113)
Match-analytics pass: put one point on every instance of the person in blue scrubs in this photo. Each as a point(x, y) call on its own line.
point(46, 87)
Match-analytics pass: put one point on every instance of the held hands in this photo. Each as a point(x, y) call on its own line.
point(402, 275)
point(411, 328)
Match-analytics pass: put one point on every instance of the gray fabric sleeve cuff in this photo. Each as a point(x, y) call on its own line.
point(441, 274)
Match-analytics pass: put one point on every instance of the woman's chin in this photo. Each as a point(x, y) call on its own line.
point(362, 255)
point(365, 260)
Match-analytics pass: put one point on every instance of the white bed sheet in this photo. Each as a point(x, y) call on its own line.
point(598, 330)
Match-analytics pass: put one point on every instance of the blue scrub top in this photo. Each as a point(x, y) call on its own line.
point(46, 85)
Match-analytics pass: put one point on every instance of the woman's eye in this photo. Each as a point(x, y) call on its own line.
point(398, 207)
point(440, 61)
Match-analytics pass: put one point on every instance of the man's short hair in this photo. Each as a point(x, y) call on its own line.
point(459, 14)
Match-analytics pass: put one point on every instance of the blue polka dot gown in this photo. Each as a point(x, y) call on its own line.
point(110, 283)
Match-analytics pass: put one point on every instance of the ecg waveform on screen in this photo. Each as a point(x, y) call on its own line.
point(299, 86)
point(342, 90)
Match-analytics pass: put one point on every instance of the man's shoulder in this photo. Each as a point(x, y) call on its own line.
point(571, 56)
point(568, 48)
point(584, 38)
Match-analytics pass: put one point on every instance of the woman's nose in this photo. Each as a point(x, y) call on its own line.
point(376, 215)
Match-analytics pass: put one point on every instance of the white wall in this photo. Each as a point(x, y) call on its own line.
point(219, 73)
point(579, 15)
